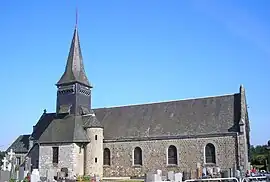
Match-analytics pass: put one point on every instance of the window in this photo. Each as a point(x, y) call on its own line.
point(95, 160)
point(18, 161)
point(55, 155)
point(107, 157)
point(95, 137)
point(172, 155)
point(210, 153)
point(137, 156)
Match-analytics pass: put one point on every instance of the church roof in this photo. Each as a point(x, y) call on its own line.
point(20, 145)
point(90, 121)
point(68, 129)
point(197, 116)
point(74, 71)
point(191, 117)
point(42, 124)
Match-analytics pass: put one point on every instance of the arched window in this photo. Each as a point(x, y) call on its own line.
point(106, 157)
point(137, 156)
point(210, 153)
point(172, 155)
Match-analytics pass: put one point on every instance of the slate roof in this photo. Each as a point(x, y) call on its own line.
point(42, 124)
point(68, 129)
point(74, 71)
point(208, 115)
point(91, 121)
point(20, 145)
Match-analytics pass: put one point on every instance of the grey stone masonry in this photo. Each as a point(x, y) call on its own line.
point(154, 155)
point(243, 138)
point(67, 156)
point(94, 152)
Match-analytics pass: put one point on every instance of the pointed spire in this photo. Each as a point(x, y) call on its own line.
point(74, 71)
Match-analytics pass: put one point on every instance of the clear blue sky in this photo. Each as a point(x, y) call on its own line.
point(135, 51)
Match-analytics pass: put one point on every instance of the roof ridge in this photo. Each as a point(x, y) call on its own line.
point(167, 101)
point(50, 113)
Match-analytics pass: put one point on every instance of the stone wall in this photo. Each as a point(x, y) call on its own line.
point(94, 152)
point(69, 157)
point(79, 160)
point(244, 134)
point(154, 155)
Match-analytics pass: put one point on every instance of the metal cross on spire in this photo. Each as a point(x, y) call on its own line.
point(76, 17)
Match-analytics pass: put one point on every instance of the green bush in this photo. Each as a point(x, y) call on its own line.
point(12, 180)
point(86, 178)
point(26, 179)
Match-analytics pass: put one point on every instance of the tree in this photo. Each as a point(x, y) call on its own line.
point(259, 155)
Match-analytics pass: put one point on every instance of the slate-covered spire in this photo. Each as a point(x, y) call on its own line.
point(74, 89)
point(74, 71)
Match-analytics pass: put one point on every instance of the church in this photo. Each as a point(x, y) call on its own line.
point(134, 139)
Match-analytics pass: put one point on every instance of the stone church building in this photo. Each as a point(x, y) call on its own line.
point(134, 139)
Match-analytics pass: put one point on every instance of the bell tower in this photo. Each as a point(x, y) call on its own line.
point(73, 88)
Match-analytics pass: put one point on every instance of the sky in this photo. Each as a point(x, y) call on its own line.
point(135, 51)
